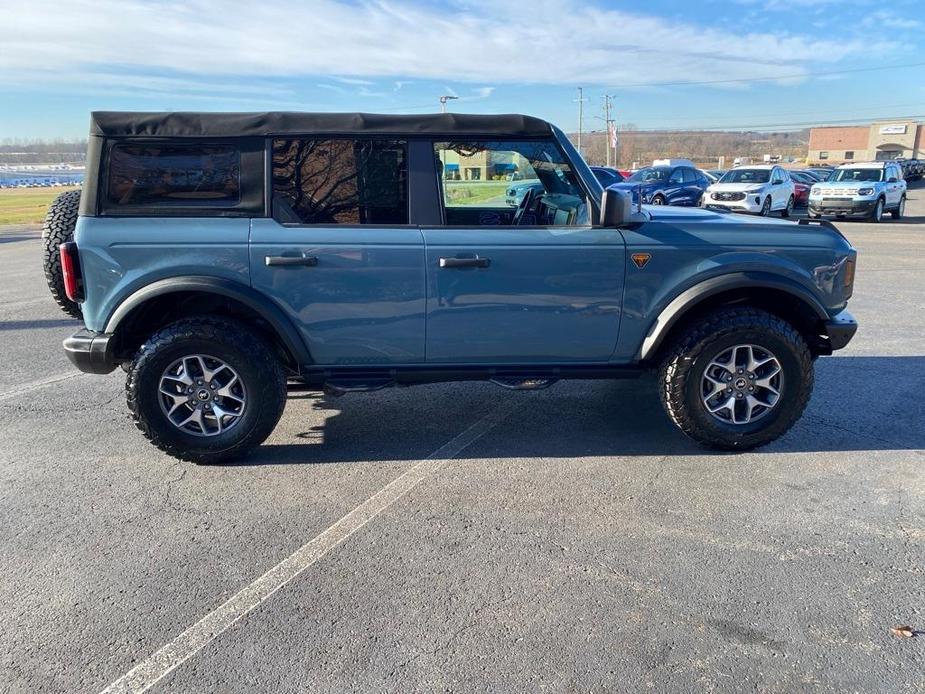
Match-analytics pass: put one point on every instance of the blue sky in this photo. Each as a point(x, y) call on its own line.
point(783, 62)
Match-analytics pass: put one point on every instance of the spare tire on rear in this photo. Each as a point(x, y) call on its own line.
point(59, 228)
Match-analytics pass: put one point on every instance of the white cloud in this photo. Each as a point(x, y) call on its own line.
point(208, 45)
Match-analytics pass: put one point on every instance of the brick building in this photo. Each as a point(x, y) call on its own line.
point(875, 142)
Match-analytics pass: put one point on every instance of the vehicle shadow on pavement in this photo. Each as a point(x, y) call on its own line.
point(859, 404)
point(37, 324)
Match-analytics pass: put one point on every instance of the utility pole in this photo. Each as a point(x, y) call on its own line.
point(610, 129)
point(444, 99)
point(581, 100)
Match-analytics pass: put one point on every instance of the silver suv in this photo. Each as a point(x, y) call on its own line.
point(860, 190)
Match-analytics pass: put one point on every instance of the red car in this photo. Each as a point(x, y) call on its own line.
point(802, 182)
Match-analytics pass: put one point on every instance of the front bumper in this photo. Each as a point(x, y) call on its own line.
point(839, 330)
point(751, 203)
point(848, 208)
point(90, 352)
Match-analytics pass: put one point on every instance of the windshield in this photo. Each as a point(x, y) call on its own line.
point(650, 173)
point(849, 175)
point(746, 176)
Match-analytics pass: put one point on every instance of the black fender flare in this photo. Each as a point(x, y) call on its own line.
point(266, 308)
point(689, 298)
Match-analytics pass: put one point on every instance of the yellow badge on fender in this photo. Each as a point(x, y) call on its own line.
point(640, 259)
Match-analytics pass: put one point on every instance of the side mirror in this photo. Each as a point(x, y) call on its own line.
point(892, 179)
point(616, 208)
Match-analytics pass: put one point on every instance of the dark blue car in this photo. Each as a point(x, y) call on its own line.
point(606, 175)
point(666, 185)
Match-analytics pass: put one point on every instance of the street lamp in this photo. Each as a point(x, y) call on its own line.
point(444, 99)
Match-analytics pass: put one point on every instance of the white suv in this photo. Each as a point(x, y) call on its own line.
point(756, 189)
point(860, 190)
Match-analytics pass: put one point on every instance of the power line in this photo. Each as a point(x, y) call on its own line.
point(771, 78)
point(915, 105)
point(784, 126)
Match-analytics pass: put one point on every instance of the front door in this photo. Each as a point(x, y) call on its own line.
point(339, 255)
point(536, 284)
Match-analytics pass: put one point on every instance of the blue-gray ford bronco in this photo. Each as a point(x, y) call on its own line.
point(224, 259)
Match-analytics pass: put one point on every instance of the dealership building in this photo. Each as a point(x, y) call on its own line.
point(875, 142)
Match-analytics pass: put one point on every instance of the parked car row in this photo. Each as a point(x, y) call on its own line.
point(865, 190)
point(913, 169)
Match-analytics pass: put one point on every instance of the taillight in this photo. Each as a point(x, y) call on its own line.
point(70, 270)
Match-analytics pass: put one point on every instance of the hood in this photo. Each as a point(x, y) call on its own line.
point(735, 187)
point(667, 213)
point(846, 185)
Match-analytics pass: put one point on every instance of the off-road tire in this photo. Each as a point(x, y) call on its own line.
point(900, 208)
point(681, 371)
point(58, 228)
point(247, 352)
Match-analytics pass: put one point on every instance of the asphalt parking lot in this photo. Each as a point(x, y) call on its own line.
point(465, 538)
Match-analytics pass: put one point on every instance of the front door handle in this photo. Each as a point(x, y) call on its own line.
point(465, 262)
point(290, 260)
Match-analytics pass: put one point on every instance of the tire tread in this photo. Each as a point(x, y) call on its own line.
point(270, 393)
point(58, 228)
point(674, 371)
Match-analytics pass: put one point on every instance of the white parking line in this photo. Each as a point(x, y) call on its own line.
point(34, 385)
point(159, 664)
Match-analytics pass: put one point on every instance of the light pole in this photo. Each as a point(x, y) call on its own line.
point(444, 99)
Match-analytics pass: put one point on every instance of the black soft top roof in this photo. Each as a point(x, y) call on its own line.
point(189, 124)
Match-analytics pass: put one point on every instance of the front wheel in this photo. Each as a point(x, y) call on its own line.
point(736, 379)
point(877, 213)
point(658, 200)
point(766, 207)
point(206, 390)
point(787, 211)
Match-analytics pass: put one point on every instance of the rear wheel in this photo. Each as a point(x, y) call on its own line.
point(736, 379)
point(900, 208)
point(206, 390)
point(58, 228)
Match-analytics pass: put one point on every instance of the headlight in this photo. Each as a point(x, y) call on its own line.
point(866, 191)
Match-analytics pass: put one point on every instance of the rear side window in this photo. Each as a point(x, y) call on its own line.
point(174, 175)
point(340, 181)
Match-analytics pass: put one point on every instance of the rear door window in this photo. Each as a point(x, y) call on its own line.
point(191, 175)
point(340, 181)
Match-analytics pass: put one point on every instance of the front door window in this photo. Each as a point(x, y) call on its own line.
point(514, 183)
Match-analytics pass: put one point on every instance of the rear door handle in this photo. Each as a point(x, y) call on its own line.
point(290, 260)
point(465, 262)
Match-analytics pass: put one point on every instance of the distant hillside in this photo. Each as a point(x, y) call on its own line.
point(43, 152)
point(704, 148)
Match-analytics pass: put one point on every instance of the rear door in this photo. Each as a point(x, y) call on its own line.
point(540, 286)
point(338, 254)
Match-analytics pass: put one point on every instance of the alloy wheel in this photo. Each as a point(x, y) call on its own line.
point(202, 395)
point(742, 384)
